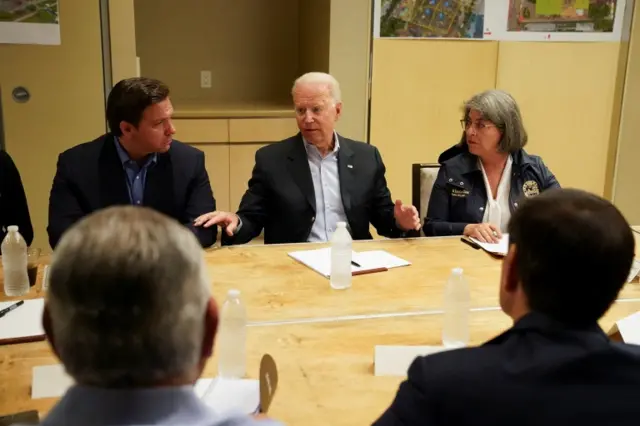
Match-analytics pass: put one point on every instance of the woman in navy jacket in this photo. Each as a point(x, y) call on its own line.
point(489, 159)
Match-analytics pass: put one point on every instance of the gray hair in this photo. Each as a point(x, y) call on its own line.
point(320, 78)
point(500, 108)
point(127, 298)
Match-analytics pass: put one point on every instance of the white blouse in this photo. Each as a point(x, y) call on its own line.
point(497, 210)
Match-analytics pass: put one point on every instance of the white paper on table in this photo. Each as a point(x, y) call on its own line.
point(378, 259)
point(49, 381)
point(320, 260)
point(229, 396)
point(635, 269)
point(396, 360)
point(501, 247)
point(629, 328)
point(25, 321)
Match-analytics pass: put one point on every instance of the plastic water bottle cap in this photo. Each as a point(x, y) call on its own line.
point(342, 224)
point(457, 271)
point(12, 228)
point(234, 293)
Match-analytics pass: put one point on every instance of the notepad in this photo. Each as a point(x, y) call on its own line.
point(23, 324)
point(628, 328)
point(396, 360)
point(320, 260)
point(229, 396)
point(49, 381)
point(500, 248)
point(635, 269)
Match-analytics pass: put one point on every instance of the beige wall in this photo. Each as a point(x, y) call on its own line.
point(569, 94)
point(315, 26)
point(122, 28)
point(349, 60)
point(626, 194)
point(250, 47)
point(67, 104)
point(418, 90)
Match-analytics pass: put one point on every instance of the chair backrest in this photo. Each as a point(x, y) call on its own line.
point(423, 176)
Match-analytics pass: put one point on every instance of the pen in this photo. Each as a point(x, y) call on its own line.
point(471, 243)
point(5, 311)
point(357, 265)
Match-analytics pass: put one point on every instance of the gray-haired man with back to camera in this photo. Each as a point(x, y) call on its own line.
point(130, 315)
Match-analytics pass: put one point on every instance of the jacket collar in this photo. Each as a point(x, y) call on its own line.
point(299, 169)
point(159, 188)
point(465, 162)
point(100, 406)
point(541, 323)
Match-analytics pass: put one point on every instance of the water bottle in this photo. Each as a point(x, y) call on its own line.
point(232, 338)
point(14, 263)
point(455, 331)
point(341, 252)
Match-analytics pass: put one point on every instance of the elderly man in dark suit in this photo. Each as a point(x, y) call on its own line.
point(303, 186)
point(137, 163)
point(570, 254)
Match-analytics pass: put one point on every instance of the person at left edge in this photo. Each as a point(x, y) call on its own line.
point(138, 163)
point(14, 209)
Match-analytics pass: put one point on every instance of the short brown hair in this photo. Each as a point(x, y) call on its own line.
point(574, 251)
point(130, 97)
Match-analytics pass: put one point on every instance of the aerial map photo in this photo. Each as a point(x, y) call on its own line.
point(432, 18)
point(562, 15)
point(29, 11)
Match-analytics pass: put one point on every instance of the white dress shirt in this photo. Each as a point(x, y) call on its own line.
point(326, 186)
point(497, 210)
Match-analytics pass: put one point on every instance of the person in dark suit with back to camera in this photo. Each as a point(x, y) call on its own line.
point(303, 186)
point(570, 253)
point(137, 163)
point(482, 179)
point(14, 209)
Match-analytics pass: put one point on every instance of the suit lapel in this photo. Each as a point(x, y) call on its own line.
point(113, 181)
point(298, 165)
point(346, 173)
point(159, 185)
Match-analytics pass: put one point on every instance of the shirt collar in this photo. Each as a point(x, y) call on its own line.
point(310, 148)
point(124, 156)
point(86, 404)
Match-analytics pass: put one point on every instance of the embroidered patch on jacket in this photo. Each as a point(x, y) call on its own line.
point(530, 188)
point(459, 192)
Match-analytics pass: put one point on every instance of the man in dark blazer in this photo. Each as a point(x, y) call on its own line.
point(14, 209)
point(570, 254)
point(137, 163)
point(303, 186)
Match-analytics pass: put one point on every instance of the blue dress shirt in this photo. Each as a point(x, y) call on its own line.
point(326, 186)
point(82, 405)
point(136, 174)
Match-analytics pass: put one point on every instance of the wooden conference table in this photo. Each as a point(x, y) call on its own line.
point(323, 340)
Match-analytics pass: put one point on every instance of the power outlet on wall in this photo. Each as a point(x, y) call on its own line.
point(205, 79)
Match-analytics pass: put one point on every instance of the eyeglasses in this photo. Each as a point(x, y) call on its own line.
point(478, 126)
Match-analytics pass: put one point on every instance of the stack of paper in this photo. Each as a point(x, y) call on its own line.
point(500, 248)
point(230, 396)
point(376, 260)
point(635, 269)
point(396, 360)
point(627, 329)
point(23, 324)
